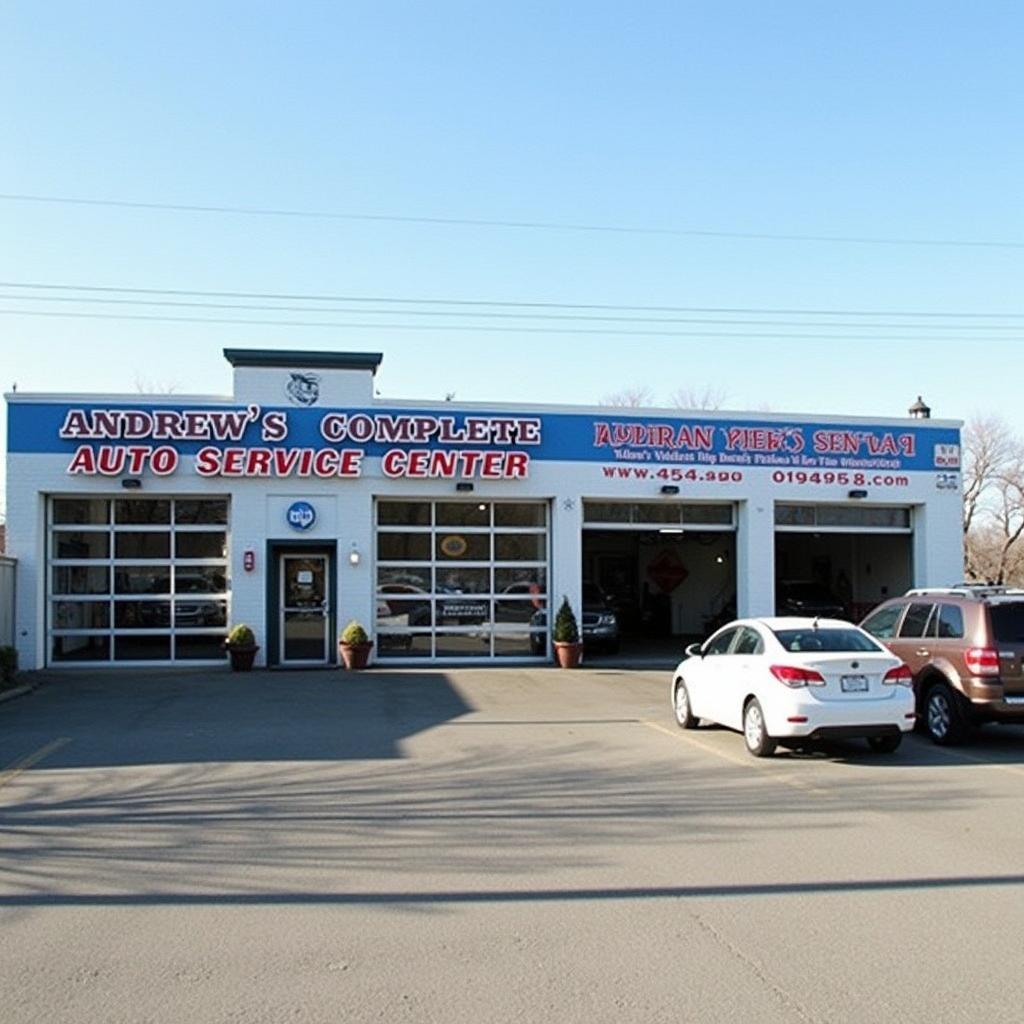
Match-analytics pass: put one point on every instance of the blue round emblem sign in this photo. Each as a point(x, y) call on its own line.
point(301, 515)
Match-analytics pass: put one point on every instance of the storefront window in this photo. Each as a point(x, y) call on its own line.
point(122, 577)
point(461, 579)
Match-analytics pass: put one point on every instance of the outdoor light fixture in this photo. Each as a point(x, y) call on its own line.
point(464, 487)
point(920, 411)
point(671, 529)
point(131, 483)
point(857, 494)
point(670, 489)
point(353, 555)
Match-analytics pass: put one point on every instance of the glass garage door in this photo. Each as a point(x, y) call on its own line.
point(137, 579)
point(461, 579)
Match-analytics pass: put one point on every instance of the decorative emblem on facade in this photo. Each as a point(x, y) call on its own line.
point(454, 546)
point(300, 515)
point(303, 388)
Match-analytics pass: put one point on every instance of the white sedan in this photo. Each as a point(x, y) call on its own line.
point(794, 681)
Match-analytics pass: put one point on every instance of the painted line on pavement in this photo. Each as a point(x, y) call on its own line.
point(12, 771)
point(963, 756)
point(744, 762)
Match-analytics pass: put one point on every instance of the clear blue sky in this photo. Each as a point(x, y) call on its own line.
point(881, 120)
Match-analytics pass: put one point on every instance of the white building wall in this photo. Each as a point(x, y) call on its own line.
point(345, 509)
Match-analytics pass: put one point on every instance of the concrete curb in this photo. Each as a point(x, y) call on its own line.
point(18, 691)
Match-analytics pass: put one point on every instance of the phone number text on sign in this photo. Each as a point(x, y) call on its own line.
point(798, 476)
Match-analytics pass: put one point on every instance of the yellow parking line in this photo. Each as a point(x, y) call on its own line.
point(14, 770)
point(743, 762)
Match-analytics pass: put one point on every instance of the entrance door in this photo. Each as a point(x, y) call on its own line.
point(304, 618)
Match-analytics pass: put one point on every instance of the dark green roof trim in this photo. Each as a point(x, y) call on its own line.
point(293, 359)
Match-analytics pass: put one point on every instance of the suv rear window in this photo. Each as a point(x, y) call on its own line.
point(830, 640)
point(1008, 622)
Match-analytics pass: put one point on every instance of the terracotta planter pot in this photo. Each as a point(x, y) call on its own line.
point(568, 655)
point(355, 656)
point(241, 657)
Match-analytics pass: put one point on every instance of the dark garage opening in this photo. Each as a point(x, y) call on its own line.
point(854, 571)
point(667, 587)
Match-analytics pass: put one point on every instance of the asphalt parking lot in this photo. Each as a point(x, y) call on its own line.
point(488, 845)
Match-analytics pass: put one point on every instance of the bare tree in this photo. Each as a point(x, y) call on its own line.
point(692, 398)
point(993, 502)
point(634, 397)
point(988, 449)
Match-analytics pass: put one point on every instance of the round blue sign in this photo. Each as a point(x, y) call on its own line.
point(301, 515)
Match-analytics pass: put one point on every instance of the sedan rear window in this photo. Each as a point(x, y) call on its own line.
point(828, 640)
point(1008, 622)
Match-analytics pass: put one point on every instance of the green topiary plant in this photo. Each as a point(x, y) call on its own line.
point(566, 630)
point(241, 636)
point(354, 635)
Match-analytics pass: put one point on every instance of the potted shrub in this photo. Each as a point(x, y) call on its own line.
point(241, 647)
point(354, 646)
point(566, 637)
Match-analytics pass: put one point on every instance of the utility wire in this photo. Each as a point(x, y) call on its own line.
point(468, 327)
point(253, 211)
point(572, 317)
point(299, 297)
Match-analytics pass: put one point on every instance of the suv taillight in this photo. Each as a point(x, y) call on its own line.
point(898, 676)
point(796, 677)
point(982, 661)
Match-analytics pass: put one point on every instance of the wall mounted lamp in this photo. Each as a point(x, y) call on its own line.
point(464, 487)
point(670, 489)
point(857, 494)
point(131, 483)
point(353, 555)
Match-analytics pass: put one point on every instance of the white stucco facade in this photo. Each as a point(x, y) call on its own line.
point(926, 485)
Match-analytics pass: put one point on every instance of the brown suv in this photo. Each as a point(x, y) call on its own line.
point(965, 646)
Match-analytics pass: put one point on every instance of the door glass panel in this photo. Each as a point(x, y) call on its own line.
point(519, 547)
point(469, 547)
point(304, 634)
point(201, 545)
point(81, 615)
point(304, 582)
point(81, 510)
point(81, 544)
point(142, 510)
point(304, 626)
point(142, 579)
point(142, 545)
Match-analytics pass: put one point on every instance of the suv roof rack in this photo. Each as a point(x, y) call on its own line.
point(967, 590)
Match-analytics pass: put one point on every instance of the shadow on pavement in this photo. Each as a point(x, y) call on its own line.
point(177, 717)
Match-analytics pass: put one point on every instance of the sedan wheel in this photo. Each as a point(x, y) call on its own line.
point(681, 703)
point(755, 733)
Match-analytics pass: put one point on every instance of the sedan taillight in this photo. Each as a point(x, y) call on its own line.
point(899, 676)
point(982, 661)
point(797, 677)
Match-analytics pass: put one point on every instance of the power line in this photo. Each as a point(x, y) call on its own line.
point(534, 225)
point(469, 327)
point(300, 297)
point(561, 317)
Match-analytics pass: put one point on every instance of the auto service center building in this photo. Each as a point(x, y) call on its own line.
point(145, 526)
